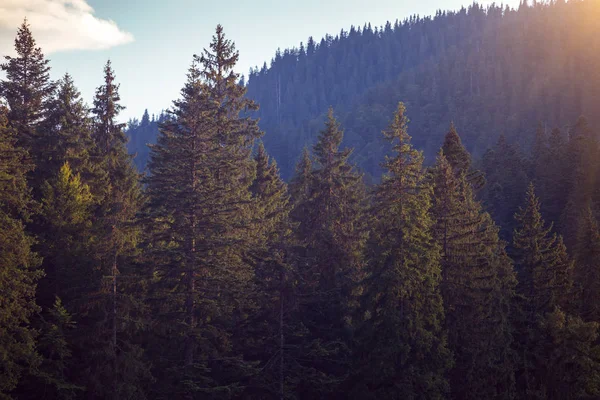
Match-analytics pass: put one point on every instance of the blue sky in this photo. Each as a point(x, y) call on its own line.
point(151, 42)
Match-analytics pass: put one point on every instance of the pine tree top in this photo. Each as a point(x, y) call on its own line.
point(455, 152)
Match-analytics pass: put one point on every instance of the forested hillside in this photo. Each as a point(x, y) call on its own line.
point(207, 276)
point(491, 71)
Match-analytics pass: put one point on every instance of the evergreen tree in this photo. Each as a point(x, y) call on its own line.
point(198, 212)
point(18, 273)
point(66, 135)
point(460, 159)
point(544, 268)
point(551, 176)
point(569, 363)
point(107, 361)
point(332, 228)
point(477, 288)
point(273, 328)
point(51, 376)
point(66, 238)
point(587, 267)
point(582, 165)
point(403, 351)
point(545, 281)
point(506, 171)
point(28, 90)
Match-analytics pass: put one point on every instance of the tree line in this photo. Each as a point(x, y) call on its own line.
point(210, 277)
point(491, 69)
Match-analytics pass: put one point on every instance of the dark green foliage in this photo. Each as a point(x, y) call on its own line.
point(460, 159)
point(27, 90)
point(274, 327)
point(581, 169)
point(403, 352)
point(214, 281)
point(65, 136)
point(329, 210)
point(198, 219)
point(541, 260)
point(505, 169)
point(18, 273)
point(490, 69)
point(477, 288)
point(92, 258)
point(545, 283)
point(569, 358)
point(50, 377)
point(550, 173)
point(587, 266)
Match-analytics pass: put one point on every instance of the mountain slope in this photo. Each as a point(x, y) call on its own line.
point(490, 71)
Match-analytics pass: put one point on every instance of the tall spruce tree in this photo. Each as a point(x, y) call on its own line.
point(403, 349)
point(18, 273)
point(541, 260)
point(551, 175)
point(27, 90)
point(582, 165)
point(460, 159)
point(545, 283)
point(587, 266)
point(506, 170)
point(66, 134)
point(107, 361)
point(300, 192)
point(477, 288)
point(273, 328)
point(329, 209)
point(198, 213)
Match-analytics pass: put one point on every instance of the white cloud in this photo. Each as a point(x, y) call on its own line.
point(59, 25)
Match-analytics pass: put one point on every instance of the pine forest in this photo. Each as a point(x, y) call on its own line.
point(408, 211)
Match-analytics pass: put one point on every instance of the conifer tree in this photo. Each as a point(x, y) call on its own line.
point(198, 217)
point(551, 175)
point(545, 282)
point(569, 361)
point(544, 268)
point(330, 212)
point(274, 326)
point(300, 192)
point(460, 159)
point(66, 238)
point(587, 267)
point(51, 376)
point(18, 273)
point(506, 170)
point(403, 350)
point(27, 90)
point(108, 362)
point(477, 288)
point(66, 135)
point(582, 165)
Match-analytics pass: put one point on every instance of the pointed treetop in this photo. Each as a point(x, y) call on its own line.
point(530, 215)
point(221, 57)
point(24, 42)
point(329, 141)
point(455, 152)
point(399, 127)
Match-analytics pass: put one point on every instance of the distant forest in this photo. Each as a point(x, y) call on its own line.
point(402, 212)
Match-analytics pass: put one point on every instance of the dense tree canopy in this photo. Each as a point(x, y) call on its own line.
point(201, 274)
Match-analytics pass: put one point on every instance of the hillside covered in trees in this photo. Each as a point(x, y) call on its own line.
point(490, 70)
point(371, 274)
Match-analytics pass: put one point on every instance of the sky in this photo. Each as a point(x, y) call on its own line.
point(151, 42)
